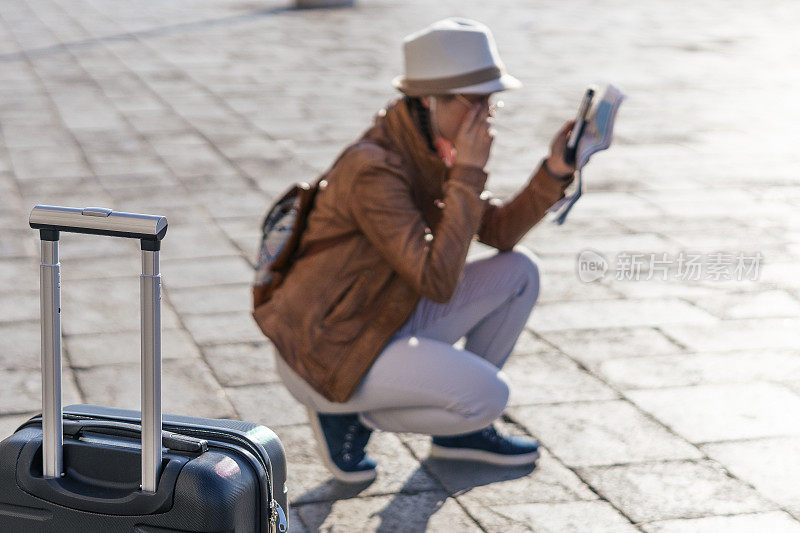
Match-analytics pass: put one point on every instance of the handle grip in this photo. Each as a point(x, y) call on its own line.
point(169, 439)
point(98, 221)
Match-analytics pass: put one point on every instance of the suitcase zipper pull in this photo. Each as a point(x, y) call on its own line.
point(277, 515)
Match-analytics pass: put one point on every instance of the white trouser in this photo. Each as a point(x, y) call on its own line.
point(421, 383)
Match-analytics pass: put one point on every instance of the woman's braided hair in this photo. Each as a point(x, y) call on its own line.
point(422, 117)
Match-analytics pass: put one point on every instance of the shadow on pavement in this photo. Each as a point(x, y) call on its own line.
point(411, 509)
point(459, 477)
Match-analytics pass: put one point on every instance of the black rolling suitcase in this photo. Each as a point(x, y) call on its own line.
point(99, 469)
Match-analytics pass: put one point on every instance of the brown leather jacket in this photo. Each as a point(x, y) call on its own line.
point(410, 221)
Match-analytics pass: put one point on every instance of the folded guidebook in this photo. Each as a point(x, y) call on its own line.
point(596, 136)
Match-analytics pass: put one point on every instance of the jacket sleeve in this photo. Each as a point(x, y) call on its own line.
point(383, 207)
point(505, 223)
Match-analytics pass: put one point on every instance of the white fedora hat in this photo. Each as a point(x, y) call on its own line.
point(451, 56)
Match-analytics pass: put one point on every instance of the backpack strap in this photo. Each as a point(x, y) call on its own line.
point(306, 195)
point(324, 244)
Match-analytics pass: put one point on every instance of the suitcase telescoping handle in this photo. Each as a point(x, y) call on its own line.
point(149, 229)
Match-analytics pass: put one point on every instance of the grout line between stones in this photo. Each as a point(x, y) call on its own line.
point(436, 478)
point(510, 420)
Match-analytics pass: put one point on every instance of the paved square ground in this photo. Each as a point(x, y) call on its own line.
point(666, 403)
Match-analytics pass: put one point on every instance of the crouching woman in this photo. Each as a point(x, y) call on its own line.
point(366, 328)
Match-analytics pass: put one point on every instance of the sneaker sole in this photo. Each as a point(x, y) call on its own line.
point(345, 477)
point(481, 456)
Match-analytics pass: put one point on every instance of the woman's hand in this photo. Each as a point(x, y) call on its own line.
point(555, 161)
point(474, 139)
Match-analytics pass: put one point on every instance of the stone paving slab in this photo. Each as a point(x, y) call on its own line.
point(670, 490)
point(215, 299)
point(20, 307)
point(188, 387)
point(563, 517)
point(104, 306)
point(592, 347)
point(269, 404)
point(609, 244)
point(191, 242)
point(125, 347)
point(528, 344)
point(602, 433)
point(615, 313)
point(191, 273)
point(14, 245)
point(769, 465)
point(690, 291)
point(561, 287)
point(20, 345)
point(77, 268)
point(482, 489)
point(433, 511)
point(697, 368)
point(745, 523)
point(223, 328)
point(22, 390)
point(242, 364)
point(755, 334)
point(549, 378)
point(765, 304)
point(706, 413)
point(661, 405)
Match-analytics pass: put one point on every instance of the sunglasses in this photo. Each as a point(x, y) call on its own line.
point(484, 99)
